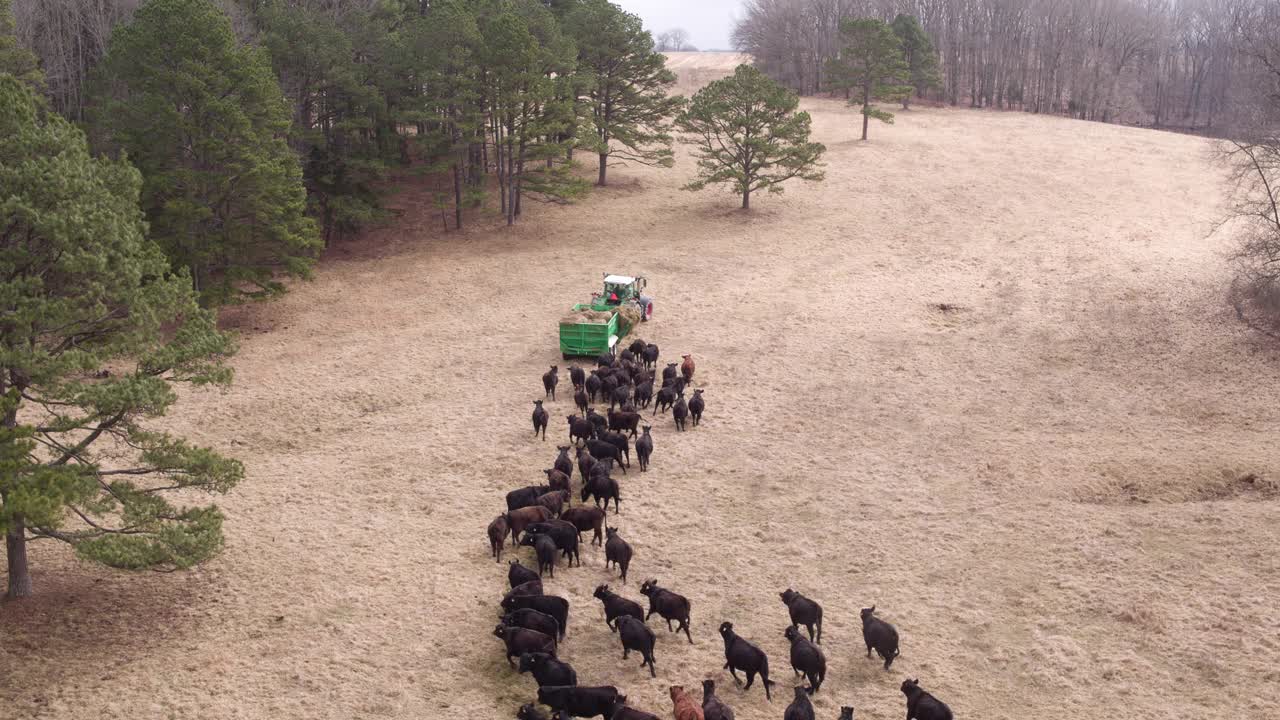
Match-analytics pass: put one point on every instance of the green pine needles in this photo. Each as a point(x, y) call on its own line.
point(747, 135)
point(202, 117)
point(95, 331)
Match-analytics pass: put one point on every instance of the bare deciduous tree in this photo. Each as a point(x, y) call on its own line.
point(673, 40)
point(1183, 64)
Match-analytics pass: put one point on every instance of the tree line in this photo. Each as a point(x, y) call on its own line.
point(271, 125)
point(1185, 64)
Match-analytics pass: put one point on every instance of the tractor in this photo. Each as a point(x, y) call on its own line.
point(595, 328)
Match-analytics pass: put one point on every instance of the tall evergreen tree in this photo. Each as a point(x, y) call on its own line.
point(920, 56)
point(747, 135)
point(203, 118)
point(527, 64)
point(625, 84)
point(15, 59)
point(871, 66)
point(95, 331)
point(333, 109)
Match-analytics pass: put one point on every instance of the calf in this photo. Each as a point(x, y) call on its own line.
point(599, 423)
point(803, 611)
point(677, 384)
point(518, 574)
point(592, 384)
point(686, 368)
point(846, 713)
point(696, 406)
point(558, 480)
point(879, 636)
point(585, 462)
point(587, 518)
point(665, 398)
point(600, 450)
point(742, 655)
point(576, 376)
point(637, 347)
point(800, 708)
point(547, 670)
point(554, 501)
point(615, 606)
point(680, 411)
point(712, 707)
point(549, 380)
point(544, 547)
point(581, 400)
point(668, 373)
point(498, 530)
point(669, 606)
point(526, 496)
point(625, 421)
point(616, 550)
point(621, 395)
point(604, 360)
point(581, 701)
point(644, 448)
point(579, 429)
point(565, 535)
point(522, 518)
point(529, 588)
point(540, 419)
point(604, 489)
point(683, 706)
point(806, 658)
point(563, 463)
point(619, 441)
point(921, 705)
point(650, 356)
point(531, 619)
point(643, 394)
point(553, 605)
point(635, 635)
point(519, 640)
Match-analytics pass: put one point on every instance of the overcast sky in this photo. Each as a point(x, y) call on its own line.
point(709, 22)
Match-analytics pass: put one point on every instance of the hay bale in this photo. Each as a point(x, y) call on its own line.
point(631, 314)
point(586, 315)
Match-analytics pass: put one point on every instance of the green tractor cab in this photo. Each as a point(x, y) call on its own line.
point(595, 328)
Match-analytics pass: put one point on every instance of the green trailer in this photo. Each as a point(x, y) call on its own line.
point(596, 328)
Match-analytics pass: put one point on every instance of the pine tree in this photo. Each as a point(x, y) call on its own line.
point(333, 107)
point(748, 135)
point(95, 332)
point(624, 85)
point(15, 59)
point(447, 44)
point(920, 56)
point(871, 65)
point(527, 66)
point(204, 120)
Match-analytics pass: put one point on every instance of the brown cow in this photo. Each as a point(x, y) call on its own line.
point(520, 519)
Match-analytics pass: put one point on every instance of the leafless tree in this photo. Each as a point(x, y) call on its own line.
point(673, 40)
point(1182, 64)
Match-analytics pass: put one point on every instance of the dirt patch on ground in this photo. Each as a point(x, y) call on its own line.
point(859, 445)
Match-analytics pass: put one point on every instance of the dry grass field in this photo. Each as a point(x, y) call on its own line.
point(982, 377)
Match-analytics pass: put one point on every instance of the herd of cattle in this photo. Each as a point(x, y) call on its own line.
point(533, 623)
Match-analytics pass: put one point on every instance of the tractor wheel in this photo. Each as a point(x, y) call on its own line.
point(566, 356)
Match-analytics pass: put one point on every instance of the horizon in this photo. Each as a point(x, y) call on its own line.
point(708, 22)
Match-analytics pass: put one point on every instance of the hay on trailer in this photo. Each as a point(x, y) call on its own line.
point(631, 314)
point(586, 315)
